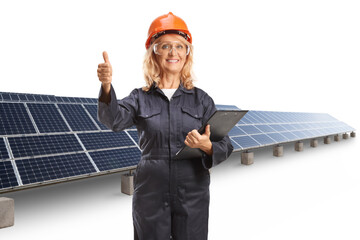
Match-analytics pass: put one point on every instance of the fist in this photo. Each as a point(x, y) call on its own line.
point(104, 71)
point(195, 140)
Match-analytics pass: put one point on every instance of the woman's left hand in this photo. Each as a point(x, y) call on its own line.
point(195, 140)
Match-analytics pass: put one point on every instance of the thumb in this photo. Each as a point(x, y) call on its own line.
point(106, 57)
point(207, 130)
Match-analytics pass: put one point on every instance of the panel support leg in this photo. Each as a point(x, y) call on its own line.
point(278, 151)
point(314, 143)
point(353, 134)
point(247, 158)
point(127, 183)
point(337, 138)
point(327, 140)
point(299, 146)
point(7, 212)
point(345, 136)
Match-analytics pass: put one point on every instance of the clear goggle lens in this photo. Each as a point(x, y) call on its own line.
point(164, 48)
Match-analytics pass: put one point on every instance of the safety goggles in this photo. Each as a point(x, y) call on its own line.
point(164, 48)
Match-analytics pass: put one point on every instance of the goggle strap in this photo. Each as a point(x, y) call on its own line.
point(159, 34)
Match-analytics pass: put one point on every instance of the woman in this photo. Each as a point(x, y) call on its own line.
point(171, 197)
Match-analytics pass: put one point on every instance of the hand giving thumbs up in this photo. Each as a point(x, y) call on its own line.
point(104, 72)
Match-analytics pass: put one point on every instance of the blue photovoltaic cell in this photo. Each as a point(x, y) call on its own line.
point(278, 127)
point(23, 98)
point(263, 139)
point(246, 142)
point(47, 118)
point(6, 96)
point(309, 133)
point(299, 134)
point(3, 151)
point(114, 159)
point(30, 97)
point(235, 145)
point(267, 117)
point(278, 137)
point(244, 120)
point(265, 128)
point(43, 145)
point(135, 136)
point(49, 168)
point(288, 127)
point(52, 99)
point(290, 136)
point(7, 175)
point(14, 119)
point(38, 98)
point(249, 129)
point(101, 140)
point(253, 117)
point(92, 109)
point(14, 97)
point(45, 98)
point(299, 126)
point(77, 117)
point(235, 131)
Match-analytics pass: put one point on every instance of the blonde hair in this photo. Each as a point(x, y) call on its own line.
point(153, 71)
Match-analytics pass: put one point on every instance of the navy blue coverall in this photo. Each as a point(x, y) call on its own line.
point(171, 197)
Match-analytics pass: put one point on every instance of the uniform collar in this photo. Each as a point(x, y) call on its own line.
point(154, 87)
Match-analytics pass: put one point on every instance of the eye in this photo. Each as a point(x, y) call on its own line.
point(179, 46)
point(165, 46)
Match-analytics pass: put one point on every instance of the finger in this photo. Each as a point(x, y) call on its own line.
point(207, 130)
point(106, 57)
point(192, 139)
point(195, 134)
point(105, 72)
point(104, 65)
point(104, 75)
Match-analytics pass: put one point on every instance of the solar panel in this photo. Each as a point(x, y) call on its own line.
point(42, 169)
point(47, 118)
point(15, 119)
point(102, 140)
point(118, 158)
point(77, 118)
point(32, 146)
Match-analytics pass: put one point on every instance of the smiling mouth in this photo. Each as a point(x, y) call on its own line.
point(172, 60)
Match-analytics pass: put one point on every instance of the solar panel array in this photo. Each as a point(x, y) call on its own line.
point(264, 128)
point(46, 139)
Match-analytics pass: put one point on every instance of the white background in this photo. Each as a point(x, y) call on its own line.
point(300, 56)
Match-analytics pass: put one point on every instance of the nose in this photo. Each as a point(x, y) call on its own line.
point(171, 52)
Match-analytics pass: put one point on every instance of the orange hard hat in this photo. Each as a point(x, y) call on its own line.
point(165, 24)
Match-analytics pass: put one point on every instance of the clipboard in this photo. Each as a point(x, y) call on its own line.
point(221, 122)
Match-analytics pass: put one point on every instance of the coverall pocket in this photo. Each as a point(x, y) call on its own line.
point(191, 118)
point(149, 118)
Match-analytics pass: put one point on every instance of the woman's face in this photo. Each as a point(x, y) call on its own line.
point(173, 55)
